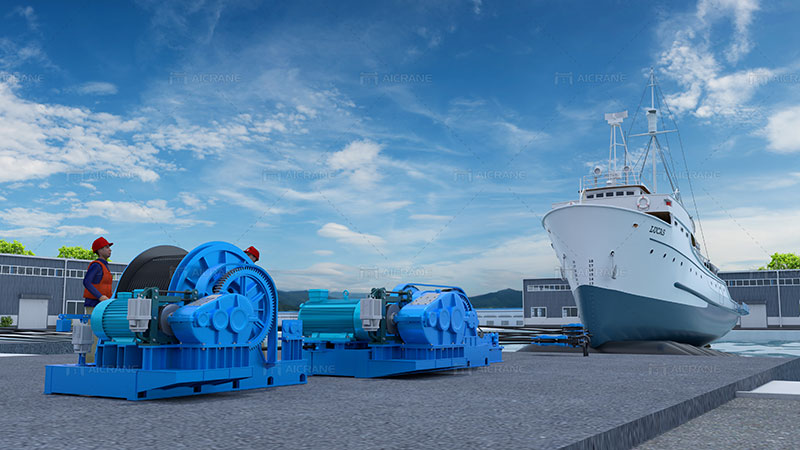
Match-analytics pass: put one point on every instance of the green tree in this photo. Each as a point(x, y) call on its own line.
point(781, 261)
point(76, 252)
point(14, 248)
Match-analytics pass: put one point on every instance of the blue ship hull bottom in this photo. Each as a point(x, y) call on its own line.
point(611, 315)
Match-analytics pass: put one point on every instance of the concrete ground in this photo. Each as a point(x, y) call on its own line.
point(39, 342)
point(741, 423)
point(528, 401)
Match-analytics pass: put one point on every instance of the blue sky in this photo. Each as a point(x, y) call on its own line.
point(362, 144)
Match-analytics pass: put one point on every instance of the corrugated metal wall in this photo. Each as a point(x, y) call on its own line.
point(42, 278)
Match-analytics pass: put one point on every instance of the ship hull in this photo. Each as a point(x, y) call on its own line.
point(612, 315)
point(636, 277)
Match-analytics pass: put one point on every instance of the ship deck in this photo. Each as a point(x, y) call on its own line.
point(532, 400)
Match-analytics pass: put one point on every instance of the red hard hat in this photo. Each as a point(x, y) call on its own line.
point(100, 243)
point(252, 251)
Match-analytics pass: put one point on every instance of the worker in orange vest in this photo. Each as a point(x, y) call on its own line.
point(97, 283)
point(252, 252)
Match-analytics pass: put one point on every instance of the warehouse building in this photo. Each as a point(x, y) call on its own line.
point(773, 297)
point(34, 290)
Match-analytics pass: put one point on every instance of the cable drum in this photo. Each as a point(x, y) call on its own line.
point(152, 268)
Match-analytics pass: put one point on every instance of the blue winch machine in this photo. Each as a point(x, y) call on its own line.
point(201, 333)
point(413, 328)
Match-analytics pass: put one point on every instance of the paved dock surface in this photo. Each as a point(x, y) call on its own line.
point(741, 423)
point(39, 342)
point(528, 401)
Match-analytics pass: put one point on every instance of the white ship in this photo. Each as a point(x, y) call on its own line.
point(630, 254)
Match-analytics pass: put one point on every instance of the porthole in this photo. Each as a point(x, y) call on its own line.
point(665, 255)
point(651, 251)
point(681, 263)
point(673, 259)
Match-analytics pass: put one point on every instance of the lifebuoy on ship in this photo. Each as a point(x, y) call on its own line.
point(643, 203)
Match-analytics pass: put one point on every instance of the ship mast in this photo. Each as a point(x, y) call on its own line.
point(653, 132)
point(615, 121)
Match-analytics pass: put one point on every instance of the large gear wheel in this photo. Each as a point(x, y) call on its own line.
point(202, 267)
point(254, 283)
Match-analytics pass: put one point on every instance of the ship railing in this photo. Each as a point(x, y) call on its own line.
point(608, 179)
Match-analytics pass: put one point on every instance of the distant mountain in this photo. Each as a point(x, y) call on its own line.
point(291, 300)
point(507, 298)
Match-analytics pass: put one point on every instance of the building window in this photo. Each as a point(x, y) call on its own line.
point(538, 311)
point(4, 269)
point(75, 307)
point(59, 272)
point(503, 323)
point(569, 311)
point(530, 288)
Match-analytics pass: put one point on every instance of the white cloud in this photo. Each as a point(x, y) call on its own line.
point(324, 275)
point(476, 6)
point(62, 231)
point(783, 131)
point(79, 230)
point(429, 217)
point(191, 200)
point(689, 59)
point(757, 232)
point(262, 208)
point(28, 217)
point(28, 14)
point(152, 211)
point(344, 235)
point(24, 232)
point(35, 222)
point(40, 140)
point(323, 252)
point(355, 155)
point(518, 138)
point(359, 161)
point(96, 88)
point(479, 270)
point(741, 13)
